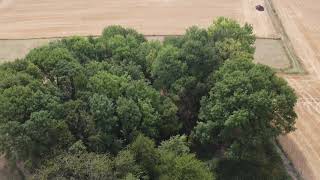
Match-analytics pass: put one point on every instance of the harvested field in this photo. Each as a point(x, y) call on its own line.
point(300, 19)
point(272, 53)
point(303, 146)
point(20, 19)
point(13, 49)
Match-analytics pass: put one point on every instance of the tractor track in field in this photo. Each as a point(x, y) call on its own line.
point(299, 27)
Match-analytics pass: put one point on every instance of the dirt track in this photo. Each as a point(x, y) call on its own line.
point(300, 19)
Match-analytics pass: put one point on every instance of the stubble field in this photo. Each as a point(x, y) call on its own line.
point(23, 19)
point(300, 19)
point(48, 18)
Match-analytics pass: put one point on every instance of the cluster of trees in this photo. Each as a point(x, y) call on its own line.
point(139, 160)
point(121, 107)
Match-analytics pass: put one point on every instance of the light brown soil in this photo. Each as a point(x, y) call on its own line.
point(55, 18)
point(300, 19)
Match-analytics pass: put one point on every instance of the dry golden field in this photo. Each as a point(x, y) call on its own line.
point(300, 19)
point(56, 18)
point(22, 19)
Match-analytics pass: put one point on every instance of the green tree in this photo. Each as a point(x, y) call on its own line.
point(45, 133)
point(78, 107)
point(176, 144)
point(176, 161)
point(115, 30)
point(126, 46)
point(30, 125)
point(81, 48)
point(77, 163)
point(125, 166)
point(168, 161)
point(167, 68)
point(80, 122)
point(183, 167)
point(172, 73)
point(146, 155)
point(225, 28)
point(149, 50)
point(247, 106)
point(15, 104)
point(59, 66)
point(77, 166)
point(38, 137)
point(103, 110)
point(136, 107)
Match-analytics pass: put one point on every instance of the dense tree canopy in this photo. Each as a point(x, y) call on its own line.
point(117, 106)
point(247, 106)
point(140, 160)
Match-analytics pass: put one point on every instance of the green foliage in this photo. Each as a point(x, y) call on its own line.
point(108, 84)
point(126, 166)
point(176, 161)
point(29, 129)
point(141, 160)
point(77, 148)
point(223, 29)
point(183, 167)
point(91, 90)
point(132, 107)
point(45, 132)
point(146, 154)
point(167, 67)
point(176, 144)
point(169, 161)
point(77, 166)
point(184, 66)
point(115, 30)
point(58, 66)
point(112, 107)
point(267, 165)
point(80, 48)
point(247, 106)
